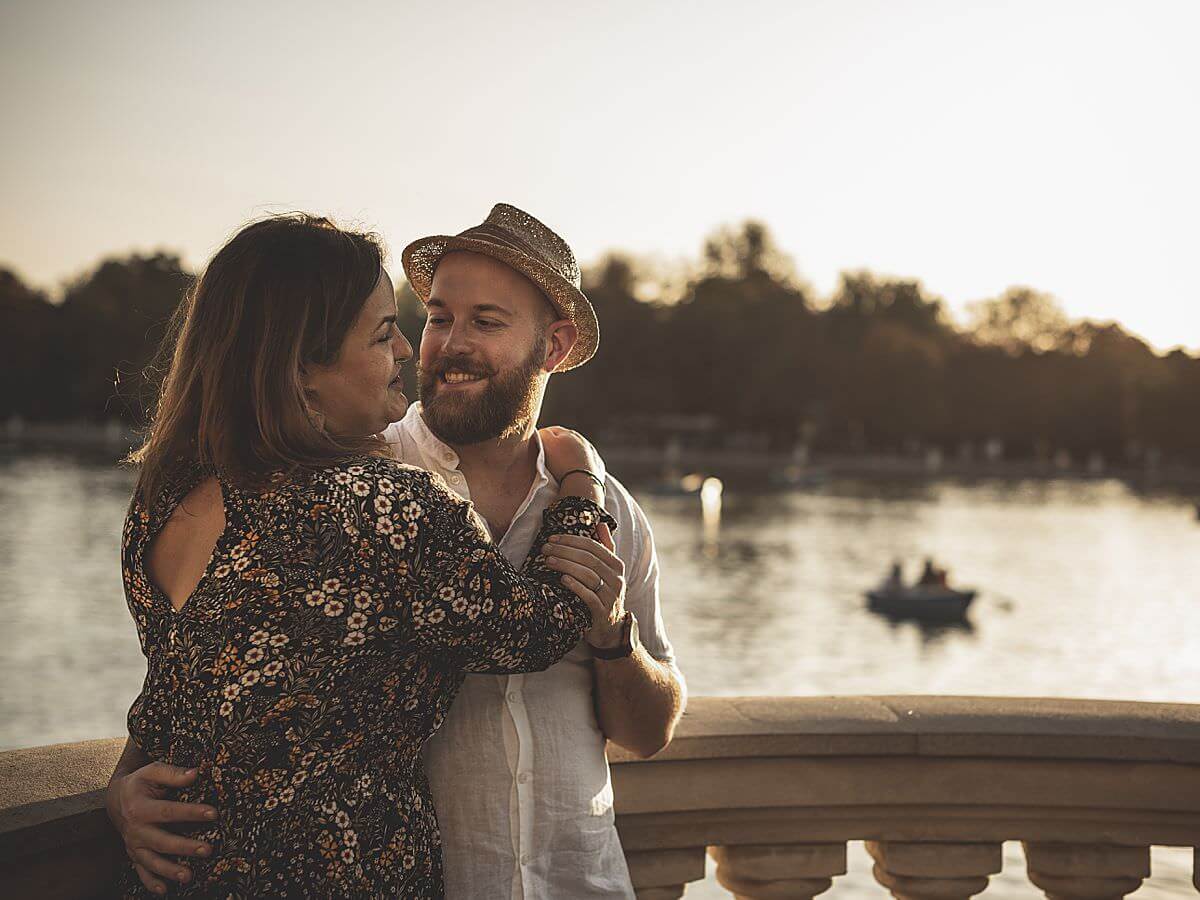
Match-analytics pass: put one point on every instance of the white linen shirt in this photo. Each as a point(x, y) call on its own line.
point(518, 773)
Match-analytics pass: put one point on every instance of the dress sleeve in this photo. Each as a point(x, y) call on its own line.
point(467, 601)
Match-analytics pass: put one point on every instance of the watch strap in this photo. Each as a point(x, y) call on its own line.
point(624, 648)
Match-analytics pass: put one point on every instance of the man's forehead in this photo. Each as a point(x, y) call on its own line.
point(474, 279)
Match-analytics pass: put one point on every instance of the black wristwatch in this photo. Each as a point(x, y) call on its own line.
point(629, 640)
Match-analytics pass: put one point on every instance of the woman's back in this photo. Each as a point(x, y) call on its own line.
point(321, 646)
point(179, 554)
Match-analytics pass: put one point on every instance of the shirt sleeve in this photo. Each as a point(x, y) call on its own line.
point(636, 548)
point(466, 600)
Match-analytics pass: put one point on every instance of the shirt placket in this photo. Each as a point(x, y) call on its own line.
point(515, 699)
point(513, 686)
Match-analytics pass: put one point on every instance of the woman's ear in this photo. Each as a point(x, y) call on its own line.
point(312, 402)
point(560, 338)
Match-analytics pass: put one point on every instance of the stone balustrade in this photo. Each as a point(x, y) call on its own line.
point(772, 788)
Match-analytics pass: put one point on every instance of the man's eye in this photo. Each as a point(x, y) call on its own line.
point(435, 320)
point(487, 323)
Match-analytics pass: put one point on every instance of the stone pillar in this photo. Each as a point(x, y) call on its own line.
point(778, 872)
point(932, 870)
point(1086, 871)
point(663, 874)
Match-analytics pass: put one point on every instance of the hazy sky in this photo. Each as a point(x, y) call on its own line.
point(971, 145)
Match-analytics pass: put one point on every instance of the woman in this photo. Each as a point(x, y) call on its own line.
point(307, 607)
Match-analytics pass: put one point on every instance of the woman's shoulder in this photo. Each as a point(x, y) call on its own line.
point(364, 476)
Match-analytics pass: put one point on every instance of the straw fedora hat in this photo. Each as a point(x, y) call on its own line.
point(519, 240)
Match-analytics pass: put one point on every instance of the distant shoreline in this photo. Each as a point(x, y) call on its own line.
point(778, 469)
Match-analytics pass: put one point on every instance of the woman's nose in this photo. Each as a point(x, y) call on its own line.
point(403, 352)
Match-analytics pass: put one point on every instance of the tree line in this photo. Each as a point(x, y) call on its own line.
point(734, 345)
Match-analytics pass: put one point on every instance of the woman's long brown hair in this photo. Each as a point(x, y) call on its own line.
point(280, 295)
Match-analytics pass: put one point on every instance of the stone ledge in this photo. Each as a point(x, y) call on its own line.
point(58, 772)
point(766, 771)
point(990, 727)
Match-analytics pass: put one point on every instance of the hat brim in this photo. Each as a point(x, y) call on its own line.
point(421, 258)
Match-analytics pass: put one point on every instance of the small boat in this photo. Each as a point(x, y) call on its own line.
point(931, 602)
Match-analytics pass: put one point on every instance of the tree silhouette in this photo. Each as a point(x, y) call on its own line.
point(741, 342)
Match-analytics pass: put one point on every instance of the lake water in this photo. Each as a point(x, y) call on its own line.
point(1087, 589)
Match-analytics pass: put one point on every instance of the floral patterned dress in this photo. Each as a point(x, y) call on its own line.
point(321, 648)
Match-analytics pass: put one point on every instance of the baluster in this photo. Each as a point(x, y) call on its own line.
point(934, 871)
point(663, 874)
point(778, 872)
point(1086, 871)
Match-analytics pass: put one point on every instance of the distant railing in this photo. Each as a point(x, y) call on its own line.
point(773, 788)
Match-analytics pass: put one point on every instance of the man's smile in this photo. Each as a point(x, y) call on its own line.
point(460, 378)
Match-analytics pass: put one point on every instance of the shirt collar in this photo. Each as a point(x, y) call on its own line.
point(434, 448)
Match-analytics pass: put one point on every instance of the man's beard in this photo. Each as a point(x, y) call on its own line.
point(505, 407)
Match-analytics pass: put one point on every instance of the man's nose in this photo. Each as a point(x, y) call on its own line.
point(457, 341)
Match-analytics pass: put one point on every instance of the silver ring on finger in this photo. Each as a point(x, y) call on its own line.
point(599, 583)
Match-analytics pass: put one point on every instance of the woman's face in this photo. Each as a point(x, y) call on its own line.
point(360, 393)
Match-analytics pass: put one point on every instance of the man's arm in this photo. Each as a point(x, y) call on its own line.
point(638, 701)
point(135, 804)
point(638, 698)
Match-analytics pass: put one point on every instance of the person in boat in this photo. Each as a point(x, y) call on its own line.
point(929, 574)
point(895, 579)
point(308, 606)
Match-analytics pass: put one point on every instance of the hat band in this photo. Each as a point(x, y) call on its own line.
point(507, 239)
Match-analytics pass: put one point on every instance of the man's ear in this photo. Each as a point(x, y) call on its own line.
point(560, 338)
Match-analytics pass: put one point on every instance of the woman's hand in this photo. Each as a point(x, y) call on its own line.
point(597, 576)
point(567, 450)
point(136, 806)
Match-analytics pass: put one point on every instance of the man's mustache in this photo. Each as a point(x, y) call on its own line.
point(457, 364)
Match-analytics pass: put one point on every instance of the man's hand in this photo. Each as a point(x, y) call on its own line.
point(136, 806)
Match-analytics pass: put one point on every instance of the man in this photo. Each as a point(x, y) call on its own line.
point(518, 770)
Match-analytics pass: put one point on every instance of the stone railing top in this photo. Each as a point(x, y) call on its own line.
point(1001, 727)
point(41, 784)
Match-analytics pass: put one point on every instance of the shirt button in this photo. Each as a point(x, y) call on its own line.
point(456, 479)
point(514, 696)
point(523, 778)
point(524, 859)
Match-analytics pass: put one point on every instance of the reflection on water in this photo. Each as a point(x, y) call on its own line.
point(1086, 589)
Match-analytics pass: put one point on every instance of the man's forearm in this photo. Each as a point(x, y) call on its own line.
point(638, 701)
